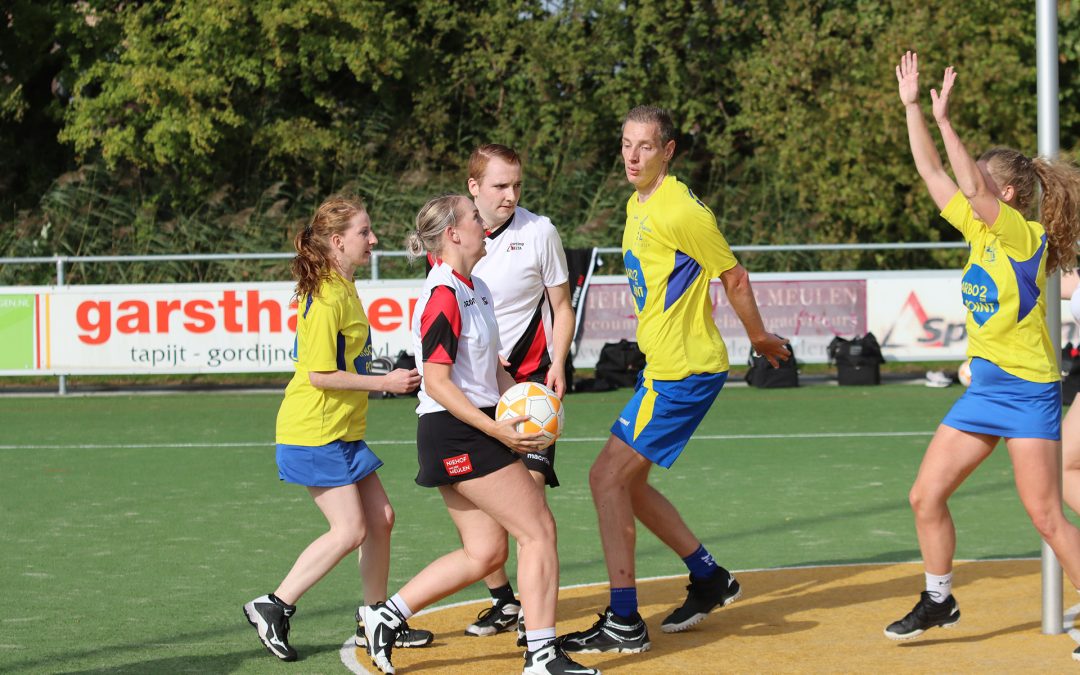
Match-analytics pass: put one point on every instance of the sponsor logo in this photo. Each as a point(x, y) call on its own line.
point(469, 303)
point(515, 246)
point(989, 255)
point(914, 326)
point(623, 421)
point(458, 466)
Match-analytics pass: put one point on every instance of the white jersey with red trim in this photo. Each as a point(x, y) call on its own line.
point(524, 258)
point(454, 323)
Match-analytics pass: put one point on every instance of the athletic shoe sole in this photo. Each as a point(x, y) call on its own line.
point(361, 642)
point(697, 618)
point(614, 650)
point(898, 637)
point(260, 629)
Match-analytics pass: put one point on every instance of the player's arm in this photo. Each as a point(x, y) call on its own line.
point(741, 296)
point(441, 388)
point(562, 325)
point(984, 200)
point(927, 160)
point(397, 381)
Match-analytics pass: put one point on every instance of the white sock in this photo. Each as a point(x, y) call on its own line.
point(538, 639)
point(400, 606)
point(939, 587)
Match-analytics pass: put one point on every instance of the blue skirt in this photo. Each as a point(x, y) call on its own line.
point(332, 465)
point(1000, 404)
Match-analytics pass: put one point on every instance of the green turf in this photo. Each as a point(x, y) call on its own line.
point(137, 559)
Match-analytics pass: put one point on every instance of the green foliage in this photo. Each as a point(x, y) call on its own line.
point(216, 125)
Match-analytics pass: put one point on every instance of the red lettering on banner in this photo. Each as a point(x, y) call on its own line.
point(230, 304)
point(138, 321)
point(164, 309)
point(255, 308)
point(384, 314)
point(458, 466)
point(199, 311)
point(292, 315)
point(99, 327)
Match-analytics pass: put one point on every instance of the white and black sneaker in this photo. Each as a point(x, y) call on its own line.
point(702, 596)
point(499, 618)
point(270, 617)
point(925, 615)
point(522, 641)
point(383, 624)
point(609, 634)
point(552, 660)
point(406, 637)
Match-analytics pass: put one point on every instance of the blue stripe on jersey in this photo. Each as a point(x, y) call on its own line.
point(341, 352)
point(307, 304)
point(1027, 272)
point(684, 272)
point(362, 362)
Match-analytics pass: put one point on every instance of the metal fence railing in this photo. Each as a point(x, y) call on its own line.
point(63, 261)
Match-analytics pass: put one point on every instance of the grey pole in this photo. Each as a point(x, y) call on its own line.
point(1046, 58)
point(61, 382)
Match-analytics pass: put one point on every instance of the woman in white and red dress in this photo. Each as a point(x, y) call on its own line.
point(473, 460)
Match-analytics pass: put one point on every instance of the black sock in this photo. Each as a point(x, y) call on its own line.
point(503, 594)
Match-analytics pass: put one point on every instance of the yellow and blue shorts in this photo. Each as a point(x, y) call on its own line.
point(663, 414)
point(1000, 404)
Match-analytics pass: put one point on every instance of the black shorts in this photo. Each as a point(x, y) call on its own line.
point(542, 461)
point(450, 451)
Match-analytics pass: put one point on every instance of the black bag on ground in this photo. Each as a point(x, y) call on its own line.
point(619, 363)
point(1070, 373)
point(858, 360)
point(762, 374)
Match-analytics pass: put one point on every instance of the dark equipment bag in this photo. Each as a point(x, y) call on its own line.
point(762, 374)
point(858, 360)
point(619, 364)
point(1070, 373)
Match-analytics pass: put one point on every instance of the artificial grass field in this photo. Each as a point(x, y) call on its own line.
point(135, 526)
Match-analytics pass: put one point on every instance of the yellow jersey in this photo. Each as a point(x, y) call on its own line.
point(672, 249)
point(332, 333)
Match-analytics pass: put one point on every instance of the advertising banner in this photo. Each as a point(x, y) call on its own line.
point(809, 312)
point(250, 327)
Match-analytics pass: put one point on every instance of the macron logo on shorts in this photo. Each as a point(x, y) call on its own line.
point(623, 421)
point(458, 466)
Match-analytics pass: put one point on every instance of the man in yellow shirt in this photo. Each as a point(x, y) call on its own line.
point(672, 249)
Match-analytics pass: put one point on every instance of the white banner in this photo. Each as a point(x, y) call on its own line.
point(241, 328)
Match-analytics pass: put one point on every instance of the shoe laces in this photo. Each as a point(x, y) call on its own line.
point(485, 613)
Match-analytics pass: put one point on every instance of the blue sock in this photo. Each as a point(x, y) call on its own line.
point(701, 563)
point(624, 601)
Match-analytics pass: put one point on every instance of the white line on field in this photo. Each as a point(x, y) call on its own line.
point(589, 439)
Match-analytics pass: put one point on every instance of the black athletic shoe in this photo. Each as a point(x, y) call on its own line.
point(925, 615)
point(703, 595)
point(522, 641)
point(406, 637)
point(552, 660)
point(499, 618)
point(271, 622)
point(383, 624)
point(609, 634)
point(1076, 654)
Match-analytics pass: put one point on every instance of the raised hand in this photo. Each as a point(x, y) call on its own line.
point(941, 101)
point(907, 75)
